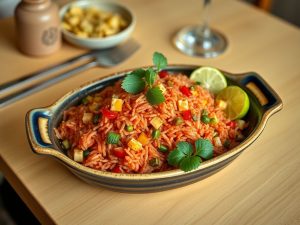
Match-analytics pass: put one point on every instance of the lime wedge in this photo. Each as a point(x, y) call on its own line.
point(237, 102)
point(210, 78)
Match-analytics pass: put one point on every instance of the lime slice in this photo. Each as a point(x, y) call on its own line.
point(210, 78)
point(237, 102)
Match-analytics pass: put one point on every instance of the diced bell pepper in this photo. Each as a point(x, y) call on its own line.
point(116, 104)
point(143, 139)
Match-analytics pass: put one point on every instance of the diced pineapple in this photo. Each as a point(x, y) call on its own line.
point(217, 141)
point(98, 98)
point(241, 124)
point(87, 117)
point(116, 104)
point(78, 155)
point(221, 104)
point(162, 88)
point(156, 122)
point(143, 139)
point(183, 105)
point(134, 144)
point(194, 93)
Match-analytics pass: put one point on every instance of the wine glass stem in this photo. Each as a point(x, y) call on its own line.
point(205, 23)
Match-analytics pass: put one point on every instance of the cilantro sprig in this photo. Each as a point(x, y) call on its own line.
point(136, 81)
point(184, 156)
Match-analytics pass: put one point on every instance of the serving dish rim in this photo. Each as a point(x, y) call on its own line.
point(36, 148)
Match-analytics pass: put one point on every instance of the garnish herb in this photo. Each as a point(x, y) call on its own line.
point(136, 81)
point(112, 138)
point(154, 96)
point(184, 156)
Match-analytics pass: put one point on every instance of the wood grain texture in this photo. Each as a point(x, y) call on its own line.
point(262, 186)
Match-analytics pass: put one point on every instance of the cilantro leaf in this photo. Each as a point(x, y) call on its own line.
point(175, 157)
point(189, 163)
point(133, 83)
point(150, 76)
point(139, 72)
point(183, 157)
point(185, 147)
point(204, 148)
point(155, 96)
point(159, 60)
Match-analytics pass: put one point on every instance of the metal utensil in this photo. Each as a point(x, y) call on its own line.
point(105, 58)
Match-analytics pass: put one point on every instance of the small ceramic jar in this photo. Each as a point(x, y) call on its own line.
point(38, 27)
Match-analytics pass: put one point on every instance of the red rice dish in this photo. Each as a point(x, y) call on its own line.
point(85, 126)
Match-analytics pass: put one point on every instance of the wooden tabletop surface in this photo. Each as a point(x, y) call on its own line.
point(262, 186)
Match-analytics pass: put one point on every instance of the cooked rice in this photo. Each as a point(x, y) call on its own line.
point(138, 112)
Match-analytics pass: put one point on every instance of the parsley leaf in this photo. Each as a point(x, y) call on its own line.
point(190, 163)
point(150, 76)
point(159, 60)
point(204, 148)
point(155, 96)
point(133, 83)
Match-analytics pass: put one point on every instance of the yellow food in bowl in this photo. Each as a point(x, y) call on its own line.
point(92, 22)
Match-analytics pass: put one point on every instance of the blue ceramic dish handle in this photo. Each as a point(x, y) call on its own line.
point(265, 95)
point(38, 129)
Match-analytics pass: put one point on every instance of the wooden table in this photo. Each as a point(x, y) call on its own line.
point(262, 186)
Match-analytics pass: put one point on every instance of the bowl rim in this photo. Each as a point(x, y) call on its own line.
point(129, 28)
point(147, 176)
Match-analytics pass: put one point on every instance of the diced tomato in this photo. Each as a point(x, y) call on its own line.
point(231, 124)
point(120, 153)
point(109, 114)
point(185, 90)
point(163, 74)
point(117, 169)
point(187, 115)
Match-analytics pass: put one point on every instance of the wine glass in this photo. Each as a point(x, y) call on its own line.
point(201, 40)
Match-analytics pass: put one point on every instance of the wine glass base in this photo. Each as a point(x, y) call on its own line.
point(192, 42)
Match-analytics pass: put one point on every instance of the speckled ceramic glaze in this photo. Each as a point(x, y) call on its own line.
point(264, 102)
